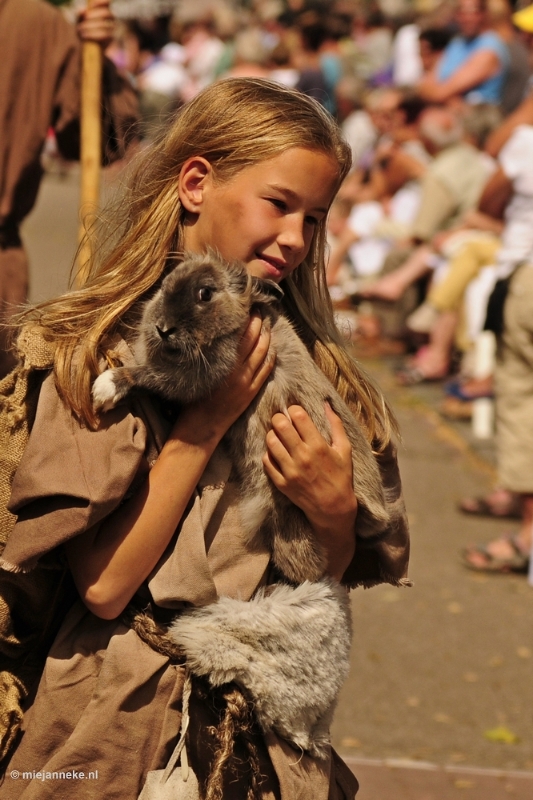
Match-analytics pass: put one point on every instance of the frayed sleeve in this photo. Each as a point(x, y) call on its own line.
point(384, 558)
point(70, 478)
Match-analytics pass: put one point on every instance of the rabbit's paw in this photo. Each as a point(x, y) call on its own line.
point(105, 391)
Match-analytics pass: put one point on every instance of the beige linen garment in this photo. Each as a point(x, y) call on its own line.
point(514, 386)
point(451, 186)
point(107, 704)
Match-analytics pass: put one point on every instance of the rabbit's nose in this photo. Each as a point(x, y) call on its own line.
point(164, 334)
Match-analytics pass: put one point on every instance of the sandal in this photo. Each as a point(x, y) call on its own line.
point(518, 561)
point(483, 507)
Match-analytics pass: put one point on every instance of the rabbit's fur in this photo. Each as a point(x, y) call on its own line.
point(187, 345)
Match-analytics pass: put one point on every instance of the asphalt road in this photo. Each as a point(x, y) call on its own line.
point(442, 673)
point(439, 666)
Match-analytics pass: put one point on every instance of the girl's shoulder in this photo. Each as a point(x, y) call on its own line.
point(70, 476)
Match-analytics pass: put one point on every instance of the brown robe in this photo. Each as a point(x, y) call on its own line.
point(39, 89)
point(108, 704)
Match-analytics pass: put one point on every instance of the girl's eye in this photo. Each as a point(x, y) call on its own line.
point(281, 204)
point(312, 221)
point(205, 294)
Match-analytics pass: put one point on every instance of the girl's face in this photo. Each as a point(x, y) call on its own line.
point(265, 216)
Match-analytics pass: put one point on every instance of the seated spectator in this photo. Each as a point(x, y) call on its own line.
point(354, 119)
point(331, 60)
point(473, 65)
point(433, 42)
point(523, 115)
point(383, 106)
point(374, 40)
point(519, 69)
point(373, 227)
point(250, 56)
point(407, 68)
point(450, 187)
point(203, 51)
point(395, 120)
point(312, 80)
point(155, 66)
point(370, 232)
point(467, 252)
point(282, 69)
point(508, 193)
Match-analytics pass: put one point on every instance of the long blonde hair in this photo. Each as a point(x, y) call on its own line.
point(234, 124)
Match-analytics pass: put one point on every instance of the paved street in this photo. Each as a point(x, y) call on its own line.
point(50, 234)
point(440, 667)
point(441, 672)
point(394, 780)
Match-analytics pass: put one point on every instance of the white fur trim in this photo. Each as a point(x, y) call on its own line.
point(288, 650)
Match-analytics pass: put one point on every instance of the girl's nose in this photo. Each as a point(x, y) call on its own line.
point(292, 234)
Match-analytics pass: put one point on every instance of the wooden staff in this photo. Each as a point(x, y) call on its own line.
point(91, 149)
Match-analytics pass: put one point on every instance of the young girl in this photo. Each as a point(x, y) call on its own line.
point(248, 168)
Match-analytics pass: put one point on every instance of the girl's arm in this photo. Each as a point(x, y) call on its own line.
point(110, 562)
point(317, 477)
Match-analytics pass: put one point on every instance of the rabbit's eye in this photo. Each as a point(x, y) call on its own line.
point(205, 294)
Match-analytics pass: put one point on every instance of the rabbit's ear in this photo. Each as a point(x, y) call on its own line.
point(237, 278)
point(264, 291)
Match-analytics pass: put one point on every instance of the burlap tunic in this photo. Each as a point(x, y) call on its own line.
point(107, 704)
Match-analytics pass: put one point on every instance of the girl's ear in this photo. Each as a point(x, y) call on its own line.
point(192, 181)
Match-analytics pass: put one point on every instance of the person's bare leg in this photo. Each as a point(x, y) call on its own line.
point(433, 360)
point(392, 286)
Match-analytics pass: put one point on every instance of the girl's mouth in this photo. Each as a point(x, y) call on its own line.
point(274, 267)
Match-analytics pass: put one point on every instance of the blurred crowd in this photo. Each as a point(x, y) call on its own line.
point(429, 102)
point(431, 234)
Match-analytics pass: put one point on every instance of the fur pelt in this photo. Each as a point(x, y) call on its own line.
point(188, 344)
point(287, 649)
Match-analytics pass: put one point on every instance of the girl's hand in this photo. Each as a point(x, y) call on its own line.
point(211, 417)
point(96, 23)
point(317, 477)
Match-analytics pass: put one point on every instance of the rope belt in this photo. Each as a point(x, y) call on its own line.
point(236, 718)
point(153, 633)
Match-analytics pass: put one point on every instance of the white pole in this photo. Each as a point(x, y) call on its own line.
point(483, 407)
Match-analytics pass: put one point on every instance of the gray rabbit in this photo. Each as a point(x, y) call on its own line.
point(187, 345)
